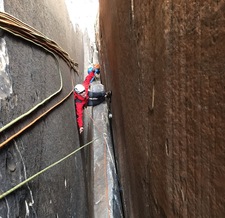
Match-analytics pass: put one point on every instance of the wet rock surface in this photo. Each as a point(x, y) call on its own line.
point(164, 63)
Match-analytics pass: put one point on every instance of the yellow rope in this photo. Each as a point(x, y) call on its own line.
point(34, 121)
point(42, 171)
point(20, 29)
point(36, 106)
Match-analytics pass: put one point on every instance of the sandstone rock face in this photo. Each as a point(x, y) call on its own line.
point(164, 61)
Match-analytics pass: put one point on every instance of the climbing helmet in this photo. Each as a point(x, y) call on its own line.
point(79, 88)
point(90, 69)
point(97, 66)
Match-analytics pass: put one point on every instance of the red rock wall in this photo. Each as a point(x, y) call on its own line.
point(164, 62)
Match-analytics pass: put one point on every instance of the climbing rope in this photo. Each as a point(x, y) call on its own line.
point(45, 169)
point(34, 121)
point(23, 30)
point(38, 105)
point(20, 29)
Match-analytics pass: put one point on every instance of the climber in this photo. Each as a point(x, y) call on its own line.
point(97, 71)
point(83, 97)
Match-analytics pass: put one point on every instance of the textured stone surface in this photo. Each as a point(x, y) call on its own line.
point(164, 62)
point(105, 196)
point(60, 191)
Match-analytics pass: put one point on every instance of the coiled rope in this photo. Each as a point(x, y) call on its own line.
point(21, 29)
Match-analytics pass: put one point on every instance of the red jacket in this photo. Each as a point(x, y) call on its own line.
point(81, 102)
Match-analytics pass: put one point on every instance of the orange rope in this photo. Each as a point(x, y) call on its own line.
point(34, 121)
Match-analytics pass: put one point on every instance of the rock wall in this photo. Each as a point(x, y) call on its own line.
point(164, 61)
point(34, 75)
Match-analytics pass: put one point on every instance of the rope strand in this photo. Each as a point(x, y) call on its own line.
point(34, 121)
point(42, 171)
